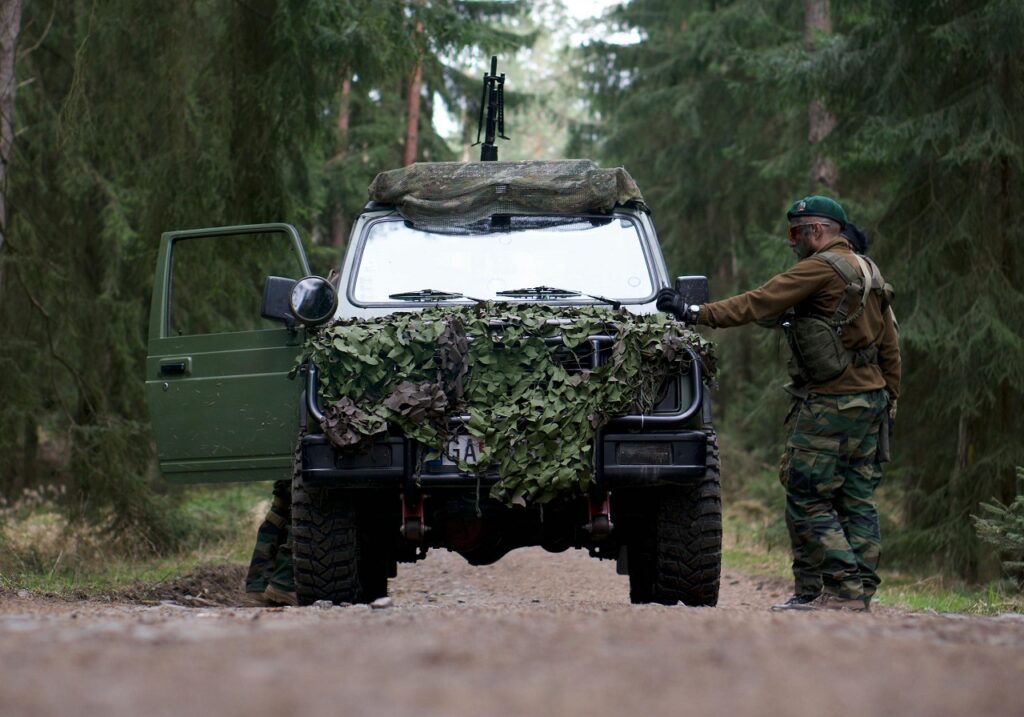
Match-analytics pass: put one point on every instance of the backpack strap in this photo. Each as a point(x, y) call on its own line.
point(880, 285)
point(855, 286)
point(868, 275)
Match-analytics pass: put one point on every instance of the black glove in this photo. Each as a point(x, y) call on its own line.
point(671, 302)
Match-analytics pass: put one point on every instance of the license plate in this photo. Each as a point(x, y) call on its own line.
point(461, 448)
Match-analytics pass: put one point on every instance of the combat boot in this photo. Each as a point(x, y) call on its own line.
point(281, 587)
point(834, 602)
point(276, 596)
point(797, 602)
point(255, 599)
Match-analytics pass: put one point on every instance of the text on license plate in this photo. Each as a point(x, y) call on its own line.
point(462, 448)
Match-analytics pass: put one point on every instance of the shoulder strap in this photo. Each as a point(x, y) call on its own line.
point(855, 284)
point(881, 286)
point(868, 277)
point(841, 266)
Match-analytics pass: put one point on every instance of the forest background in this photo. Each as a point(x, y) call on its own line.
point(120, 120)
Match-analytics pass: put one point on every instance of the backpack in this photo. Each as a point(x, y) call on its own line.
point(818, 354)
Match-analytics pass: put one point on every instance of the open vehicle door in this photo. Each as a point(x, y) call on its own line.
point(221, 404)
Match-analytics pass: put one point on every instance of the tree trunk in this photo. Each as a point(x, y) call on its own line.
point(10, 28)
point(28, 475)
point(818, 20)
point(412, 127)
point(339, 222)
point(467, 131)
point(343, 113)
point(339, 225)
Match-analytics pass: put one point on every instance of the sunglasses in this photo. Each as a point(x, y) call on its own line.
point(798, 230)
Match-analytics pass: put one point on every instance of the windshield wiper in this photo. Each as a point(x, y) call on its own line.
point(427, 295)
point(537, 291)
point(553, 292)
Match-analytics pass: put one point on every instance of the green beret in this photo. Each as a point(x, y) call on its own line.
point(817, 206)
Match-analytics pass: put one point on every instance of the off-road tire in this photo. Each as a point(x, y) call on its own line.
point(325, 546)
point(675, 552)
point(373, 559)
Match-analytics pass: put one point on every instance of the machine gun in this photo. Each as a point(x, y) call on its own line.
point(494, 100)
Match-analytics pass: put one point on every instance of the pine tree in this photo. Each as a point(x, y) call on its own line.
point(932, 102)
point(712, 147)
point(137, 118)
point(928, 100)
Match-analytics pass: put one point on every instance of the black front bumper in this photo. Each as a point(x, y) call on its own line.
point(384, 463)
point(649, 459)
point(625, 460)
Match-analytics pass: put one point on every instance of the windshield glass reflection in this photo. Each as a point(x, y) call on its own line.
point(604, 257)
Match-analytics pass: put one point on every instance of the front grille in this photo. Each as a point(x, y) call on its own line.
point(668, 397)
point(582, 358)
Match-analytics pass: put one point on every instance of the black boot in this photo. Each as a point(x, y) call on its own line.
point(797, 602)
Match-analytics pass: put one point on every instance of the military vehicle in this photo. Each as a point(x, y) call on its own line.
point(561, 234)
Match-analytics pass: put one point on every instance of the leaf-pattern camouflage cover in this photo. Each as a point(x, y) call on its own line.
point(537, 419)
point(437, 194)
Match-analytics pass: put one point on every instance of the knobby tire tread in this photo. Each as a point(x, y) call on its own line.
point(678, 555)
point(324, 544)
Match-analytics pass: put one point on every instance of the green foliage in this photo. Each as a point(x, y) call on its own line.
point(932, 135)
point(537, 418)
point(385, 41)
point(709, 111)
point(712, 149)
point(1003, 527)
point(133, 119)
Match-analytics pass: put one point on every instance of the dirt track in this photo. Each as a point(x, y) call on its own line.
point(536, 634)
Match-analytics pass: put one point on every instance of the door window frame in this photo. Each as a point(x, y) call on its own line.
point(159, 318)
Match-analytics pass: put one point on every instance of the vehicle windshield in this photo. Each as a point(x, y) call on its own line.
point(601, 256)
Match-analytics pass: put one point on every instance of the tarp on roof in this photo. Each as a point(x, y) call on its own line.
point(463, 193)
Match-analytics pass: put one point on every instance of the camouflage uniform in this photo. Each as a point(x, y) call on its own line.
point(830, 475)
point(271, 558)
point(829, 469)
point(806, 565)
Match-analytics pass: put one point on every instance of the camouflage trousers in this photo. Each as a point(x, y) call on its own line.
point(830, 473)
point(272, 557)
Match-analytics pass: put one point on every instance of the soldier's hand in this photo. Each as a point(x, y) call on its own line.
point(670, 302)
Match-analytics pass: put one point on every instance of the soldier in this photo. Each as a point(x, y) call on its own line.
point(806, 573)
point(270, 580)
point(845, 367)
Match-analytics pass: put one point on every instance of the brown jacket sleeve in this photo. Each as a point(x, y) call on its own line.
point(889, 355)
point(770, 300)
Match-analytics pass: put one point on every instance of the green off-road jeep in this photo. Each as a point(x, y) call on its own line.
point(258, 370)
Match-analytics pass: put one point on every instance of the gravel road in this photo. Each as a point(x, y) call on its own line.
point(535, 634)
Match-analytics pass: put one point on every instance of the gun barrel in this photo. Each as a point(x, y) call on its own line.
point(493, 123)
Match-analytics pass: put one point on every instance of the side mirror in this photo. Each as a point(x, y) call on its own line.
point(692, 289)
point(313, 300)
point(277, 292)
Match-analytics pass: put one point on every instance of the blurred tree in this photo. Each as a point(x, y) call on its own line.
point(390, 55)
point(136, 118)
point(931, 98)
point(10, 28)
point(821, 122)
point(925, 121)
point(718, 153)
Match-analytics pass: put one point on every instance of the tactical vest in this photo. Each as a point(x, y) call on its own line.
point(818, 354)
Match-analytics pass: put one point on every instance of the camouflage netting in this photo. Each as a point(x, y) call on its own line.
point(538, 419)
point(440, 194)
